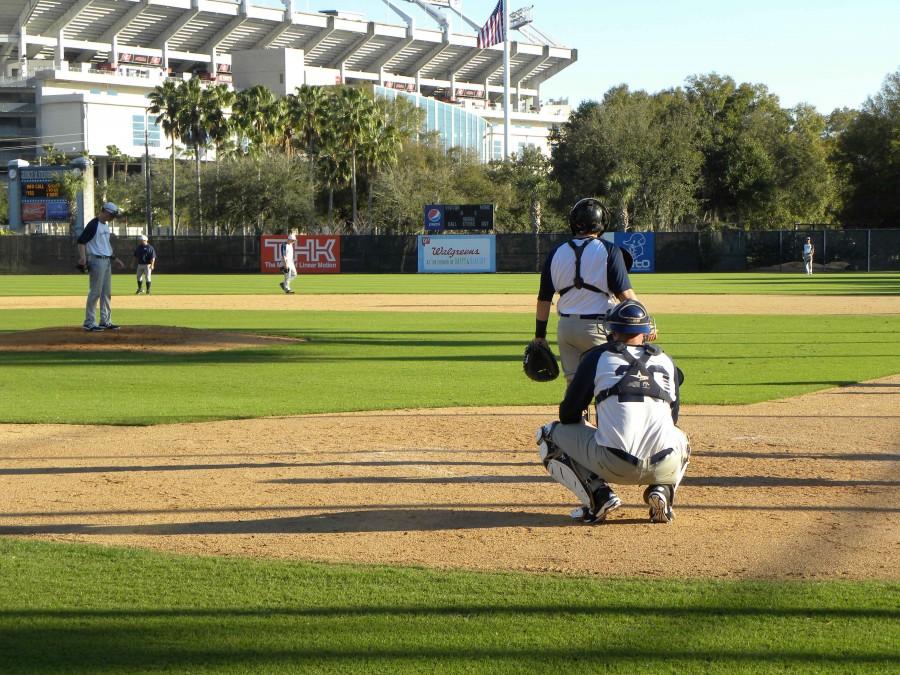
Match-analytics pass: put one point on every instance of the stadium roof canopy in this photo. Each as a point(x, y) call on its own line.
point(192, 34)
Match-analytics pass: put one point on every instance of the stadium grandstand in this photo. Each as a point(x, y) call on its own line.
point(75, 74)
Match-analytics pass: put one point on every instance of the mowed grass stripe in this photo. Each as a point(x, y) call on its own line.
point(315, 284)
point(373, 360)
point(83, 608)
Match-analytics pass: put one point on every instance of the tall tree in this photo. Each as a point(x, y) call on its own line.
point(869, 149)
point(165, 103)
point(353, 118)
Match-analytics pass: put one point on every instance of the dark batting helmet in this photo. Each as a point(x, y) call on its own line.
point(629, 317)
point(588, 216)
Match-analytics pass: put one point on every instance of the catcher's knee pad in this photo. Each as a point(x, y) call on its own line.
point(547, 449)
point(563, 473)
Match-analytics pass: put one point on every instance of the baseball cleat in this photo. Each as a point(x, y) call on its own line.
point(138, 292)
point(660, 511)
point(283, 288)
point(93, 329)
point(586, 515)
point(110, 326)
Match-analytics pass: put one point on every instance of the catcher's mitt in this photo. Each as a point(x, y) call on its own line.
point(539, 363)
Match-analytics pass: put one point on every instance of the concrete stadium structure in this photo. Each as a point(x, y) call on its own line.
point(75, 74)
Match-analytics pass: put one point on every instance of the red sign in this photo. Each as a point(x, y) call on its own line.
point(313, 254)
point(34, 212)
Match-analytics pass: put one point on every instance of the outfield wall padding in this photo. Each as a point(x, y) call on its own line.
point(722, 251)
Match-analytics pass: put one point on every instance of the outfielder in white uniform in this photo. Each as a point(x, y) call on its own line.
point(288, 265)
point(635, 387)
point(808, 252)
point(591, 277)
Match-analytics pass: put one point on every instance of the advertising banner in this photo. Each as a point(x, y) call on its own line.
point(313, 254)
point(641, 246)
point(457, 253)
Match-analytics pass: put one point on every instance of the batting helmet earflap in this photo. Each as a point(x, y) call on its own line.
point(588, 216)
point(629, 317)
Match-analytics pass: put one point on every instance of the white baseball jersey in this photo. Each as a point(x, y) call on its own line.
point(287, 255)
point(640, 424)
point(602, 271)
point(95, 238)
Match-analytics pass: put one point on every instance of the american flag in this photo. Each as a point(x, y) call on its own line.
point(493, 31)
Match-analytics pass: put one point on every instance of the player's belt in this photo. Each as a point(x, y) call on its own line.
point(110, 257)
point(591, 317)
point(631, 459)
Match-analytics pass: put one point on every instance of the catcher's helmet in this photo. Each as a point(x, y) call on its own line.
point(629, 317)
point(588, 216)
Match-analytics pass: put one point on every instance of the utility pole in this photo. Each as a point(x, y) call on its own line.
point(148, 208)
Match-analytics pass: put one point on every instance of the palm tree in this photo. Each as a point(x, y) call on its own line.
point(307, 114)
point(380, 150)
point(199, 107)
point(622, 188)
point(353, 117)
point(256, 117)
point(165, 103)
point(220, 129)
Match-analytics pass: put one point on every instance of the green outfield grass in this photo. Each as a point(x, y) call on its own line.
point(238, 284)
point(375, 360)
point(81, 608)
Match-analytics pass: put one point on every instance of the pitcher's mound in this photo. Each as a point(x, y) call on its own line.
point(136, 338)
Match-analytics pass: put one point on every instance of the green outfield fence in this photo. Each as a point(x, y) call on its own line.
point(861, 250)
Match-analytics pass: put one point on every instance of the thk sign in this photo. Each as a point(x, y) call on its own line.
point(313, 254)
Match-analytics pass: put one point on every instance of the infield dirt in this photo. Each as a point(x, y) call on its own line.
point(805, 488)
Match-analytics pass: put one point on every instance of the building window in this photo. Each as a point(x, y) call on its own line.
point(137, 132)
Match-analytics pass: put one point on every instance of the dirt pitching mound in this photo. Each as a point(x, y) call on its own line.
point(135, 339)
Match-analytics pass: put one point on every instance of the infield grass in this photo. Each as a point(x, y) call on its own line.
point(876, 283)
point(83, 608)
point(372, 360)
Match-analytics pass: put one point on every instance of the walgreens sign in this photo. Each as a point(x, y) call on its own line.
point(313, 254)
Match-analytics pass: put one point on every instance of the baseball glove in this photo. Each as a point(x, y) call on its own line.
point(283, 270)
point(539, 363)
point(81, 268)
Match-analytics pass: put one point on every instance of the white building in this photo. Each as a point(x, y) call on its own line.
point(76, 74)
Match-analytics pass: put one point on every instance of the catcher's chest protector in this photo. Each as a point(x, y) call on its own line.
point(637, 378)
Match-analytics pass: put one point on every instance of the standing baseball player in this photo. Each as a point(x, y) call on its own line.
point(808, 252)
point(591, 277)
point(145, 260)
point(287, 263)
point(635, 442)
point(96, 254)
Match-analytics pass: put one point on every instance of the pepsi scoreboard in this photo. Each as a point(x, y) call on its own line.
point(43, 197)
point(439, 217)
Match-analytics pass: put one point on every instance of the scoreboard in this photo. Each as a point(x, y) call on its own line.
point(42, 190)
point(43, 197)
point(440, 217)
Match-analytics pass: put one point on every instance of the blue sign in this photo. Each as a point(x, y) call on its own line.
point(434, 216)
point(641, 246)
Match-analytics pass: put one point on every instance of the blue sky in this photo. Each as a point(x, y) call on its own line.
point(830, 53)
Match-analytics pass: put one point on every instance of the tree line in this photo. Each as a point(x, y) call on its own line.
point(710, 154)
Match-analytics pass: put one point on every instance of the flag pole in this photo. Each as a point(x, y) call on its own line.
point(506, 152)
